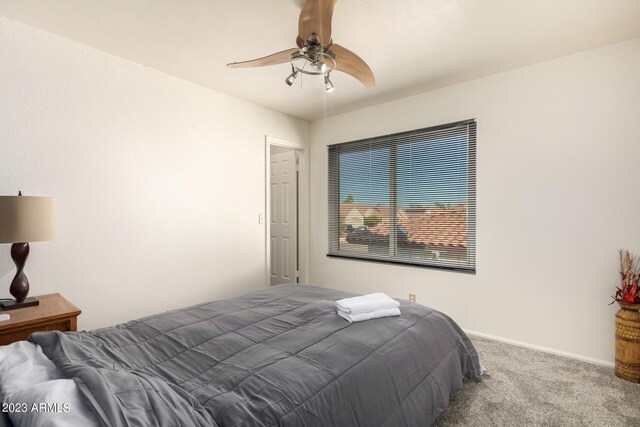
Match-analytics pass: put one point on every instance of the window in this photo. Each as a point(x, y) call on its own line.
point(407, 198)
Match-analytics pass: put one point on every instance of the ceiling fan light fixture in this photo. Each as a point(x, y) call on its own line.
point(292, 77)
point(314, 64)
point(328, 86)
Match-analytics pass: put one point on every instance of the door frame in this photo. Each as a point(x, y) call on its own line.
point(303, 207)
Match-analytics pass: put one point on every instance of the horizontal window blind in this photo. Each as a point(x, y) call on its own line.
point(408, 198)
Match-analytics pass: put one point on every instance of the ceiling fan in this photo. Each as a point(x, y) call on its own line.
point(316, 53)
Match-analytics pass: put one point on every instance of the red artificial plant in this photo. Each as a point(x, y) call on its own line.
point(629, 291)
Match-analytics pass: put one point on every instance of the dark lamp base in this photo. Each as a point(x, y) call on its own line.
point(12, 305)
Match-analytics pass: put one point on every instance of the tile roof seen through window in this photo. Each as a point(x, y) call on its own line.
point(428, 228)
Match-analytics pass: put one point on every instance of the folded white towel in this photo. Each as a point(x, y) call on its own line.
point(370, 315)
point(366, 303)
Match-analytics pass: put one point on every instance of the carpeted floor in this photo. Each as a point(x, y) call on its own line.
point(530, 388)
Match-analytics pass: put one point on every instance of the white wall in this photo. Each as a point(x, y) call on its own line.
point(557, 196)
point(159, 182)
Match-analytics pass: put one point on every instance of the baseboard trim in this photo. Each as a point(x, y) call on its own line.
point(543, 349)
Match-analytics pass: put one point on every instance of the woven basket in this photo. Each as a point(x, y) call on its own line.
point(628, 342)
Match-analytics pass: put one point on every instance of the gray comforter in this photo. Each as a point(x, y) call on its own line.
point(279, 356)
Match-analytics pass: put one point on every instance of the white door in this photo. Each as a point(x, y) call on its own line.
point(283, 217)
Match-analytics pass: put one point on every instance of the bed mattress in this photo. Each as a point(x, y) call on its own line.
point(278, 356)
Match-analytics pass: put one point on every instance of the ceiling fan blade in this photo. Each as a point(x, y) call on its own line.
point(276, 58)
point(315, 17)
point(350, 63)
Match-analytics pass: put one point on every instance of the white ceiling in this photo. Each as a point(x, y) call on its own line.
point(411, 45)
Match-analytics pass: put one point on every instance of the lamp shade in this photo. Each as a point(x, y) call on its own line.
point(27, 219)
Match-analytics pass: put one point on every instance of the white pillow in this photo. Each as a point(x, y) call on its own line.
point(23, 364)
point(28, 377)
point(55, 403)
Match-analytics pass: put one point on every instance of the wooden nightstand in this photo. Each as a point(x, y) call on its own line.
point(53, 314)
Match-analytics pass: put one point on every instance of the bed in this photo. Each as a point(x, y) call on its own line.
point(278, 356)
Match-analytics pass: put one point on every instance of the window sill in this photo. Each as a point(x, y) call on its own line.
point(471, 271)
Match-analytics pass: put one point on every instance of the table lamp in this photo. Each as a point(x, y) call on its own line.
point(24, 219)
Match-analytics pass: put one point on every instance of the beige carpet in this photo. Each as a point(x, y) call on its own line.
point(530, 388)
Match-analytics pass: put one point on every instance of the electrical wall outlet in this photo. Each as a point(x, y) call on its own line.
point(412, 297)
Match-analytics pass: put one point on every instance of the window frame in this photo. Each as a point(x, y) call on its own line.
point(392, 141)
